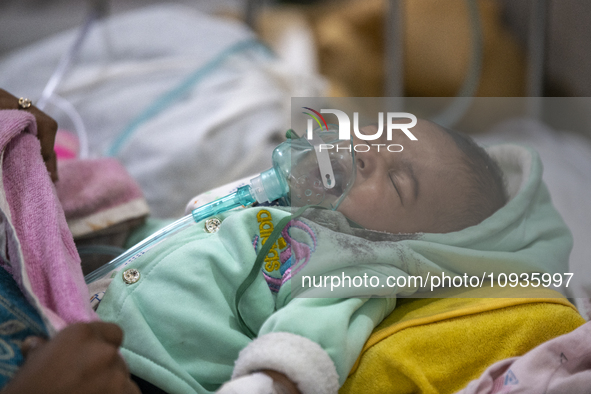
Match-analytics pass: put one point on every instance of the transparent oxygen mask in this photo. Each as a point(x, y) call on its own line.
point(322, 169)
point(314, 169)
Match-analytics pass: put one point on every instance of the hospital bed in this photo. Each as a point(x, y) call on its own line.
point(226, 89)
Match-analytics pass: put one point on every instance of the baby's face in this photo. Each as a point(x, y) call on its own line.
point(408, 191)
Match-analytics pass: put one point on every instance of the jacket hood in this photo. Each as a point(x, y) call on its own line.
point(526, 235)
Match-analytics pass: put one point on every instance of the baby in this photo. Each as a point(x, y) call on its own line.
point(202, 307)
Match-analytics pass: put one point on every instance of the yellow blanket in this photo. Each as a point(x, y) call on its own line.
point(438, 345)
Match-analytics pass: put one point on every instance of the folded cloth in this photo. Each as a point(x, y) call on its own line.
point(97, 194)
point(38, 248)
point(439, 345)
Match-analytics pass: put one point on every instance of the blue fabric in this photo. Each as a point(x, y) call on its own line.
point(18, 320)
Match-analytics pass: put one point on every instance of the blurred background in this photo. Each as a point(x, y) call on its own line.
point(567, 53)
point(375, 48)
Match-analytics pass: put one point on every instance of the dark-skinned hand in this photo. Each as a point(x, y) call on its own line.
point(46, 130)
point(81, 359)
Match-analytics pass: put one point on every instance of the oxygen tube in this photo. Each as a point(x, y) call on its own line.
point(304, 172)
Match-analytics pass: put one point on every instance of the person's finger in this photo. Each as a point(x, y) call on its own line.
point(51, 165)
point(7, 100)
point(109, 332)
point(132, 388)
point(111, 381)
point(30, 344)
point(46, 130)
point(111, 370)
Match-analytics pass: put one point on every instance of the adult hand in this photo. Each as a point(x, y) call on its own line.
point(46, 130)
point(81, 359)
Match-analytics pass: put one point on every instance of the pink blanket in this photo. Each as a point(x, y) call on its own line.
point(559, 366)
point(40, 250)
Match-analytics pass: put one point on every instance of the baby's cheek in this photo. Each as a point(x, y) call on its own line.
point(350, 209)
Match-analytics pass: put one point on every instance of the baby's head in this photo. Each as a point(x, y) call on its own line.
point(442, 182)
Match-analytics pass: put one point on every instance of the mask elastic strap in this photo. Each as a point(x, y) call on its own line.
point(256, 268)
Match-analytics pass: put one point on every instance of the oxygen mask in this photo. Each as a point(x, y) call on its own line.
point(322, 169)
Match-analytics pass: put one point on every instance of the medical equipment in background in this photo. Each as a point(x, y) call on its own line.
point(316, 172)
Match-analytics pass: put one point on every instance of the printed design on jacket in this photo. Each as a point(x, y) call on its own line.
point(266, 227)
point(289, 254)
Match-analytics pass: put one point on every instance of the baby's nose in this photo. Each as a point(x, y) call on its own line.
point(367, 158)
